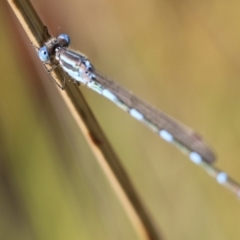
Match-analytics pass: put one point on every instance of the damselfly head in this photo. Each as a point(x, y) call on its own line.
point(49, 49)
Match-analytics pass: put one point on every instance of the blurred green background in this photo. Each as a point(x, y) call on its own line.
point(180, 56)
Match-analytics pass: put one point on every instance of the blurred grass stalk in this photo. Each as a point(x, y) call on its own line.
point(96, 139)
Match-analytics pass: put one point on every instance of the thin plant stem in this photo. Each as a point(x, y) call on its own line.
point(95, 137)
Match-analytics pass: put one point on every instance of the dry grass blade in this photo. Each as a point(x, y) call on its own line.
point(90, 128)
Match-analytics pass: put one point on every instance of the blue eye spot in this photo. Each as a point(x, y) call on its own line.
point(43, 54)
point(64, 40)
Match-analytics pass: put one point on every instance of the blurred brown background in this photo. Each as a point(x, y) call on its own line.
point(182, 57)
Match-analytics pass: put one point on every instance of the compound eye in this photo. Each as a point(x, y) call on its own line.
point(43, 54)
point(63, 40)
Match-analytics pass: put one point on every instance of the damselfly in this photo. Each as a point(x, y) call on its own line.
point(80, 69)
